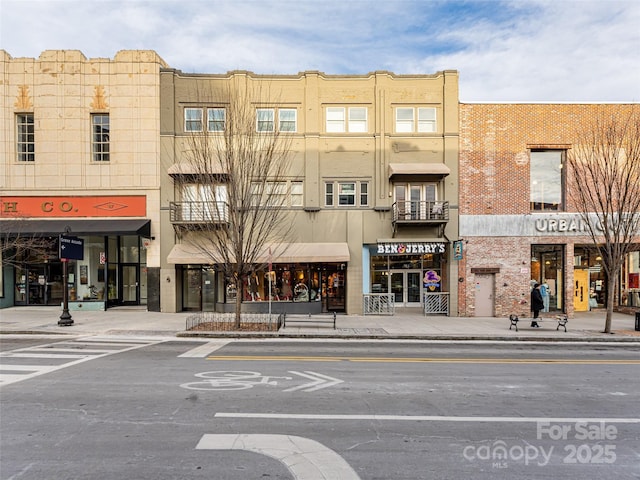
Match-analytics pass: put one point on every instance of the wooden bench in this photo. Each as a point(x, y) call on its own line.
point(316, 319)
point(561, 319)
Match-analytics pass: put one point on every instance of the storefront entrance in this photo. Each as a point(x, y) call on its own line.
point(130, 284)
point(406, 287)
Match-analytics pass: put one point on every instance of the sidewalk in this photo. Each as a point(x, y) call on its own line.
point(405, 324)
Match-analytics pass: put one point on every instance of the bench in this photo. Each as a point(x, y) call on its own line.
point(561, 319)
point(316, 319)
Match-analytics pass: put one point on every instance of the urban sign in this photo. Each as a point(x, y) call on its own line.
point(410, 248)
point(71, 248)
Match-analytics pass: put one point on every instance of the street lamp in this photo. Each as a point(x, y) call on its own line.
point(68, 248)
point(65, 318)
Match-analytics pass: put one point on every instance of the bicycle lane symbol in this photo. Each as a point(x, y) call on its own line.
point(231, 380)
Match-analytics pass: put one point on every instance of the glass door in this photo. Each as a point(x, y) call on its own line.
point(406, 287)
point(397, 287)
point(413, 289)
point(130, 284)
point(192, 289)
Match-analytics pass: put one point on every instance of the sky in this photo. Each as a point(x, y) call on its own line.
point(504, 51)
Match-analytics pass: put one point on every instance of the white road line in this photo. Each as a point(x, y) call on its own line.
point(306, 459)
point(26, 368)
point(425, 418)
point(78, 350)
point(43, 355)
point(204, 350)
point(44, 352)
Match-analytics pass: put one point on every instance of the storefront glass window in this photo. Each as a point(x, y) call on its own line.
point(129, 249)
point(588, 259)
point(630, 281)
point(547, 269)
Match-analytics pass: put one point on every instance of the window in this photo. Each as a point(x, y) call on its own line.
point(297, 194)
point(192, 119)
point(100, 137)
point(216, 119)
point(406, 119)
point(417, 201)
point(347, 194)
point(357, 123)
point(364, 194)
point(335, 119)
point(287, 119)
point(265, 119)
point(277, 194)
point(357, 119)
point(25, 141)
point(328, 194)
point(427, 120)
point(203, 202)
point(546, 180)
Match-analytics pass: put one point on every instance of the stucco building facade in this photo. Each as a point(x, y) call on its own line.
point(373, 185)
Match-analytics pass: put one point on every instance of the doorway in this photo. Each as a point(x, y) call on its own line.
point(406, 287)
point(130, 284)
point(484, 295)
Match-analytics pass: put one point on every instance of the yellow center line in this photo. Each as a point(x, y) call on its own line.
point(424, 360)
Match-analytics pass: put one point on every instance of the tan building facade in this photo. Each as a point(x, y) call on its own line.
point(516, 219)
point(373, 187)
point(79, 154)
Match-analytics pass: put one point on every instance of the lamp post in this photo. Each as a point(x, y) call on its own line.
point(68, 248)
point(65, 318)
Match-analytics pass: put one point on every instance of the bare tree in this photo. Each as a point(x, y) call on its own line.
point(240, 163)
point(16, 243)
point(604, 171)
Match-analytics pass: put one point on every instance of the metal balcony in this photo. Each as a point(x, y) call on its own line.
point(420, 213)
point(198, 213)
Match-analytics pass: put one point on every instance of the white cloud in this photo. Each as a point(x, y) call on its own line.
point(505, 51)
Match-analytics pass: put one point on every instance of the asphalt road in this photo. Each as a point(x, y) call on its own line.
point(145, 408)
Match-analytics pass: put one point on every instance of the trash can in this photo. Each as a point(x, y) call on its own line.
point(637, 321)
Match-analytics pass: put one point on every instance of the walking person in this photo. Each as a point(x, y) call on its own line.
point(536, 304)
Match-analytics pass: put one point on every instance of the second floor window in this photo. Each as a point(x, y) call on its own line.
point(266, 119)
point(216, 118)
point(192, 119)
point(546, 180)
point(25, 139)
point(100, 137)
point(342, 119)
point(412, 120)
point(278, 194)
point(346, 194)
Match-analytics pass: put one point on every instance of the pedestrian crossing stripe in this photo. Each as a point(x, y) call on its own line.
point(18, 365)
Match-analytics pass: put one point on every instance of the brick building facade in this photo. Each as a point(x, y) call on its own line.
point(508, 244)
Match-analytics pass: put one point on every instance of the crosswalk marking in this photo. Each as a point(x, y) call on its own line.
point(204, 350)
point(56, 356)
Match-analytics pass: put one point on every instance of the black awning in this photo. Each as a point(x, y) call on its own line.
point(15, 227)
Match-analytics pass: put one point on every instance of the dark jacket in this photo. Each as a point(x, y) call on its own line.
point(536, 300)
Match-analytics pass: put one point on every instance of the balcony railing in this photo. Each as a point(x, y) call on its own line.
point(414, 212)
point(198, 212)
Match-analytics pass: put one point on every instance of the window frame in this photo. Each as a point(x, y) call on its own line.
point(211, 120)
point(338, 125)
point(100, 148)
point(334, 193)
point(560, 206)
point(282, 189)
point(25, 137)
point(282, 121)
point(271, 122)
point(423, 119)
point(190, 123)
